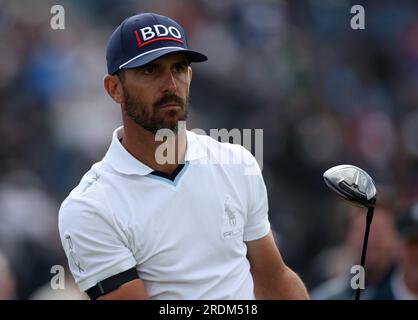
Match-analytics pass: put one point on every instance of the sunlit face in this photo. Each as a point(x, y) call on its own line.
point(156, 95)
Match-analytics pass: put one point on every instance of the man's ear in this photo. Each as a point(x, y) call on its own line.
point(190, 73)
point(114, 88)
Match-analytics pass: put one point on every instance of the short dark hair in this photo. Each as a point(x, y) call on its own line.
point(121, 75)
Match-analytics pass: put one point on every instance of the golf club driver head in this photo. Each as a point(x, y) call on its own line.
point(353, 184)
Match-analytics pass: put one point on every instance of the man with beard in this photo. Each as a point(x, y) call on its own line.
point(137, 227)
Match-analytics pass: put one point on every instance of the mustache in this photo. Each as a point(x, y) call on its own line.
point(169, 98)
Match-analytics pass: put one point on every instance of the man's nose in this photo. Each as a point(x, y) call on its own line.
point(170, 83)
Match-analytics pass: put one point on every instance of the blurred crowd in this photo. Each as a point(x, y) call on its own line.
point(324, 95)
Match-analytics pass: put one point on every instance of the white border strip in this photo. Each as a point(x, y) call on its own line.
point(142, 54)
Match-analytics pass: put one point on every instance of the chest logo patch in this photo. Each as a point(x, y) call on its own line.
point(232, 224)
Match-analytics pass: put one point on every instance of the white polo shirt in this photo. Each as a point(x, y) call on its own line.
point(186, 238)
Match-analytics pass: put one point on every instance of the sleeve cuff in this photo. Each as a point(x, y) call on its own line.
point(91, 281)
point(257, 232)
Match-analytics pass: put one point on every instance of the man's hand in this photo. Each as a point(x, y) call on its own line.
point(272, 278)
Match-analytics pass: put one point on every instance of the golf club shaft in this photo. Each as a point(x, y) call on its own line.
point(369, 218)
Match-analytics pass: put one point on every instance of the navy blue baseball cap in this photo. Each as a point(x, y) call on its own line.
point(143, 38)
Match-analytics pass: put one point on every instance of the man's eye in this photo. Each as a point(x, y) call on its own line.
point(148, 70)
point(180, 67)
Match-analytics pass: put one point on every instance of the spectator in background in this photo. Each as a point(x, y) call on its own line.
point(404, 281)
point(381, 255)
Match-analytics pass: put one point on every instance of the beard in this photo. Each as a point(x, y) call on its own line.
point(150, 118)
